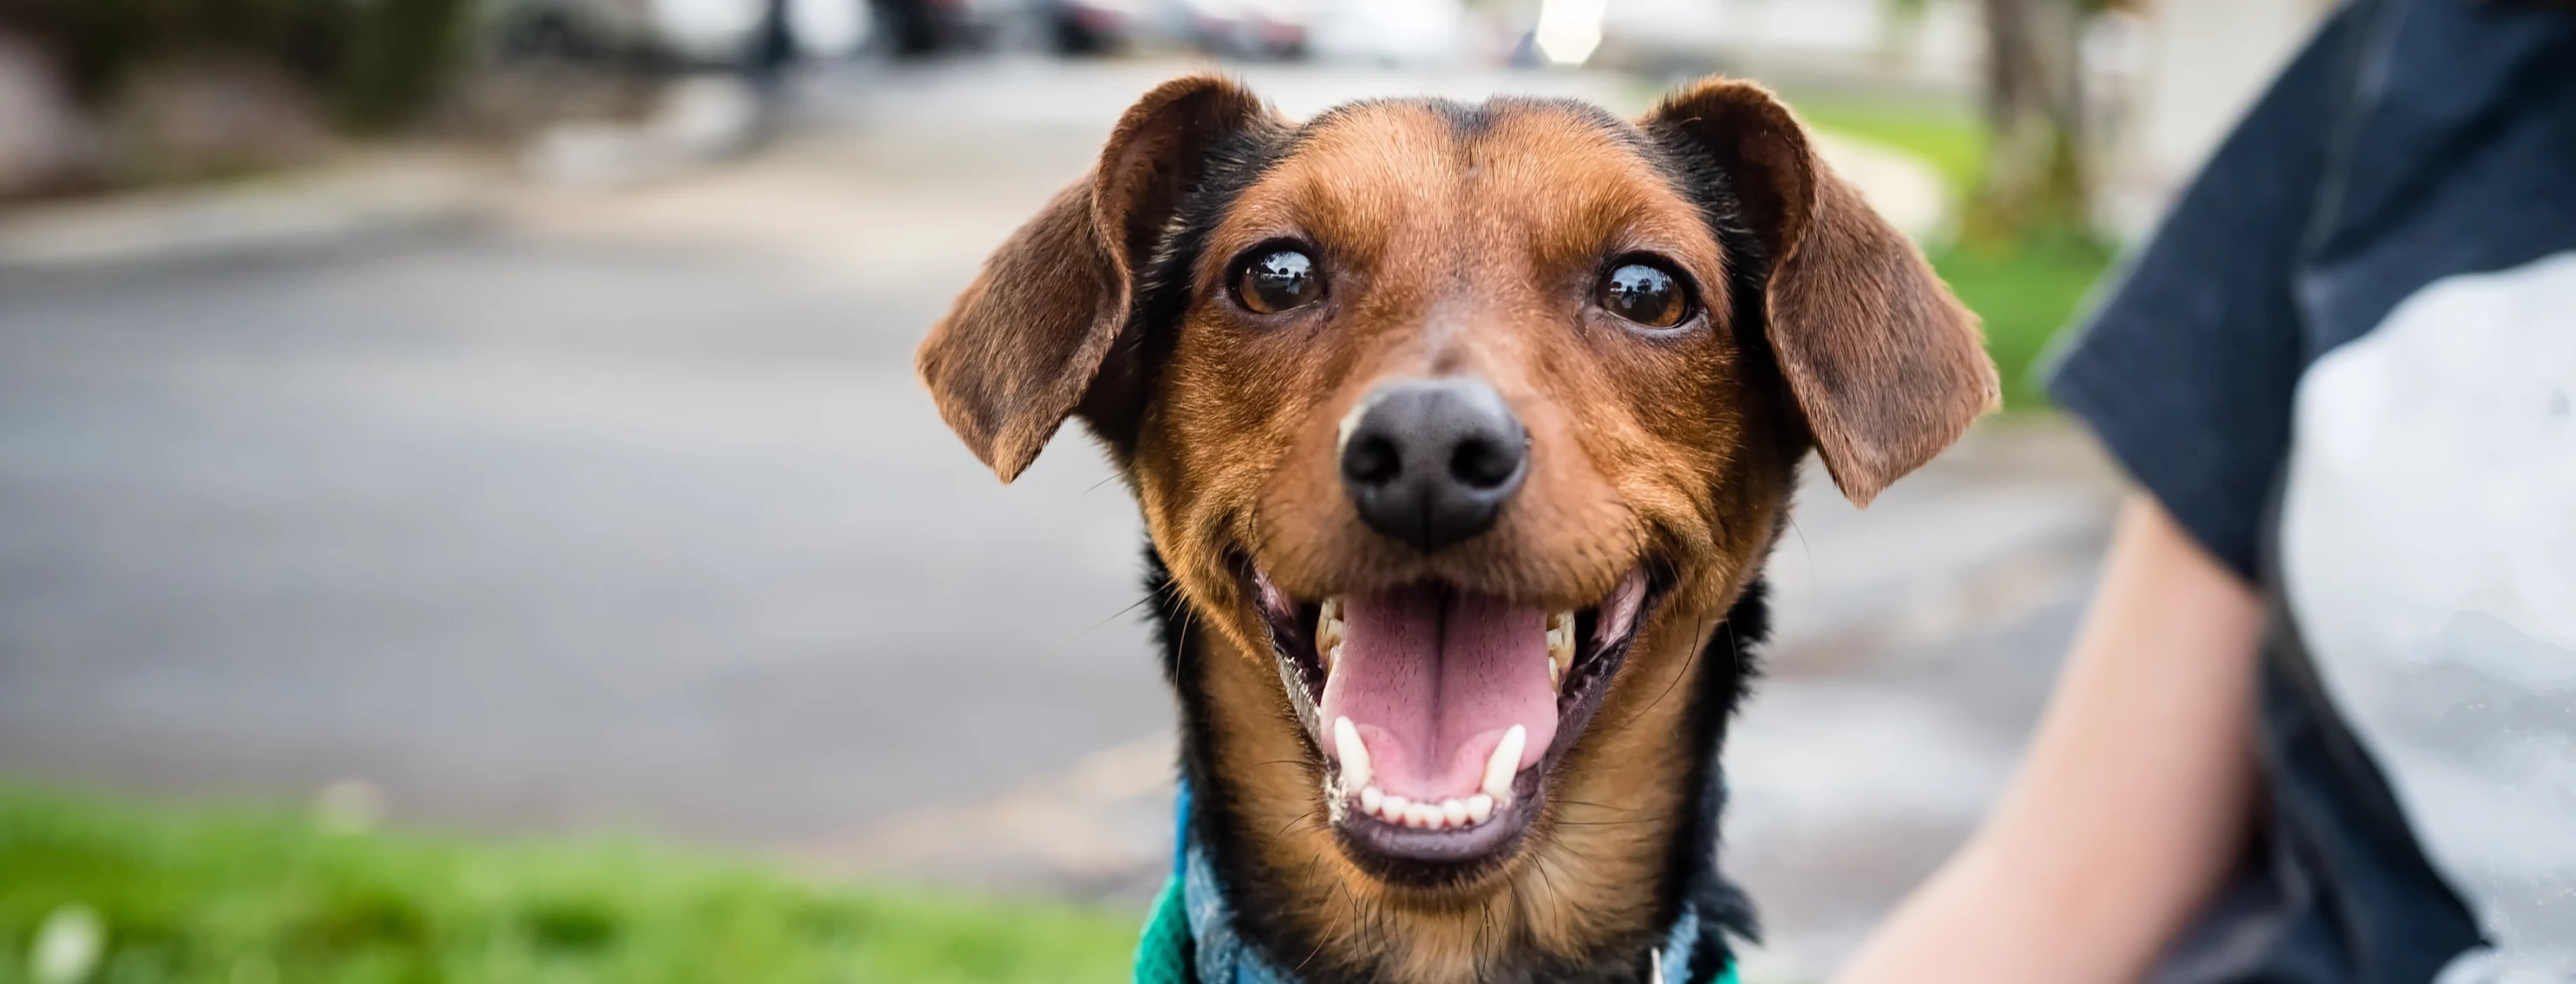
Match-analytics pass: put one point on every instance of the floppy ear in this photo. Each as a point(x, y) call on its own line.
point(1022, 345)
point(1887, 368)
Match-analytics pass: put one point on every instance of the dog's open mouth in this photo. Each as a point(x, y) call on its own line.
point(1440, 711)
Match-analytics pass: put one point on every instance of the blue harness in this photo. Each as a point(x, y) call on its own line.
point(1190, 938)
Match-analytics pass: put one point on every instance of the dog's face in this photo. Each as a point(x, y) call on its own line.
point(1458, 428)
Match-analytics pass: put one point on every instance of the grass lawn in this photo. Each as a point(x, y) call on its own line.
point(250, 897)
point(2025, 291)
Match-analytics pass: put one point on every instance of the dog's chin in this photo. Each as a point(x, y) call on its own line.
point(1440, 714)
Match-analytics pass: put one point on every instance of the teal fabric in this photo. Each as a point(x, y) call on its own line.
point(1189, 938)
point(1163, 953)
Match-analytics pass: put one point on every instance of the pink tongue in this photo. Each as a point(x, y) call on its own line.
point(1432, 679)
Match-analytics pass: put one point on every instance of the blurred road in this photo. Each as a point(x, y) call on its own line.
point(626, 511)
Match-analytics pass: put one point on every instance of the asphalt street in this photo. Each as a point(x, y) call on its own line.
point(625, 511)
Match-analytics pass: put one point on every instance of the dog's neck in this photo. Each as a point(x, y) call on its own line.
point(1631, 852)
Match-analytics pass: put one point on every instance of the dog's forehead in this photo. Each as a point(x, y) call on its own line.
point(1558, 176)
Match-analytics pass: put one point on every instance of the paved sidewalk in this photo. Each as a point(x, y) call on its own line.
point(369, 198)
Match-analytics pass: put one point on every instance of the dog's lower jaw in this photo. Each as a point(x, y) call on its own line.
point(1626, 840)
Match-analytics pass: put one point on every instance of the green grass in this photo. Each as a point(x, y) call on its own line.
point(249, 897)
point(1948, 135)
point(2025, 291)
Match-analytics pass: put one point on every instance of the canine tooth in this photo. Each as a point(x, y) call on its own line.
point(1505, 763)
point(1479, 807)
point(1455, 811)
point(1353, 752)
point(1370, 798)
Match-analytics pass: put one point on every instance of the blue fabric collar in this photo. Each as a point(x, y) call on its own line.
point(1219, 956)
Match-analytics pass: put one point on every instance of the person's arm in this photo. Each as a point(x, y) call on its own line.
point(2135, 799)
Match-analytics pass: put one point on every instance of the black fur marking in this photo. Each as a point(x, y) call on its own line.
point(1699, 176)
point(1726, 679)
point(1465, 121)
point(1692, 874)
point(1115, 403)
point(1702, 178)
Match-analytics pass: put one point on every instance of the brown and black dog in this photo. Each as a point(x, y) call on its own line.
point(1461, 434)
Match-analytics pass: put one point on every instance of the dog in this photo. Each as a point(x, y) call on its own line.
point(1461, 434)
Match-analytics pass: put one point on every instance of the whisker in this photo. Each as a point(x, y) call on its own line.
point(1668, 688)
point(1601, 806)
point(1113, 616)
point(1298, 819)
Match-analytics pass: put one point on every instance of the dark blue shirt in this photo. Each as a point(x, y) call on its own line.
point(2412, 145)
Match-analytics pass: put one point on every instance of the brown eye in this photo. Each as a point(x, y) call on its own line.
point(1277, 280)
point(1648, 295)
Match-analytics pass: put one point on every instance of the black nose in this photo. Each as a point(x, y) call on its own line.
point(1431, 461)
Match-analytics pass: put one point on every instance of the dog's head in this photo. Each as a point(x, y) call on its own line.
point(1461, 426)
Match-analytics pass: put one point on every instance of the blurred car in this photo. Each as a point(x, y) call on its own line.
point(714, 33)
point(921, 27)
point(1249, 28)
point(1084, 27)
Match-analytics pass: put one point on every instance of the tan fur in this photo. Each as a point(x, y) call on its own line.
point(1452, 249)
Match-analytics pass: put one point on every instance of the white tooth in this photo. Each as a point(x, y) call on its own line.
point(1394, 808)
point(1505, 763)
point(1455, 811)
point(1423, 815)
point(1370, 798)
point(1353, 752)
point(1479, 807)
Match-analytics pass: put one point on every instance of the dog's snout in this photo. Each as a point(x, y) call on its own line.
point(1430, 462)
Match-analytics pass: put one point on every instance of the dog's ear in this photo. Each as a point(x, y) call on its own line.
point(1887, 368)
point(1022, 345)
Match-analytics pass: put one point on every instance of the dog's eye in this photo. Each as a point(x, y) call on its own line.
point(1277, 280)
point(1646, 294)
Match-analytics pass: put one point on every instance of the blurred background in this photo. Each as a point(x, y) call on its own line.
point(467, 513)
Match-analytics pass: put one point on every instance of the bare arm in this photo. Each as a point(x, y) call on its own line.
point(2135, 797)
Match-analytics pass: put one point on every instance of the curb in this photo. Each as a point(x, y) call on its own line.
point(368, 199)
